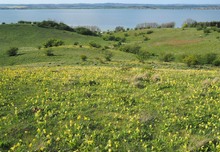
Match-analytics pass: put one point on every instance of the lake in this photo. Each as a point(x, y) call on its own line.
point(108, 19)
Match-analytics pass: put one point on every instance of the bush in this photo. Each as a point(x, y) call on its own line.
point(206, 31)
point(108, 55)
point(55, 25)
point(131, 49)
point(83, 57)
point(191, 60)
point(53, 42)
point(85, 31)
point(216, 62)
point(168, 57)
point(12, 51)
point(210, 57)
point(76, 43)
point(150, 32)
point(143, 55)
point(95, 45)
point(49, 52)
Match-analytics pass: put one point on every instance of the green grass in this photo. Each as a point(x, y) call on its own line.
point(62, 103)
point(106, 108)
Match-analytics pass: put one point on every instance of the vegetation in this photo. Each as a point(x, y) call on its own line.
point(12, 51)
point(53, 42)
point(159, 94)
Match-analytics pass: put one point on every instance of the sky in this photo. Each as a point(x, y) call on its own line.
point(110, 1)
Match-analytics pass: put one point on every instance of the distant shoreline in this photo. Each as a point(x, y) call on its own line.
point(109, 6)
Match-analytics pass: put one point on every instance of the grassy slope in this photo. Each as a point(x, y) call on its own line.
point(177, 41)
point(107, 107)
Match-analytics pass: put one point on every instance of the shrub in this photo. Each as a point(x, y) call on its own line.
point(53, 42)
point(131, 49)
point(206, 31)
point(76, 43)
point(108, 55)
point(168, 57)
point(85, 31)
point(150, 32)
point(55, 25)
point(143, 55)
point(83, 57)
point(210, 57)
point(191, 60)
point(12, 51)
point(49, 52)
point(146, 38)
point(95, 45)
point(216, 62)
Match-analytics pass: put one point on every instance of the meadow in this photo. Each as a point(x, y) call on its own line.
point(65, 103)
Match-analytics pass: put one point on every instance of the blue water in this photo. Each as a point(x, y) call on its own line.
point(108, 19)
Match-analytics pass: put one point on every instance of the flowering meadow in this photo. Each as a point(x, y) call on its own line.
point(76, 108)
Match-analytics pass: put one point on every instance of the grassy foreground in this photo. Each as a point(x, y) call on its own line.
point(109, 109)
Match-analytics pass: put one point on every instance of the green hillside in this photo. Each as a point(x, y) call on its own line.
point(136, 90)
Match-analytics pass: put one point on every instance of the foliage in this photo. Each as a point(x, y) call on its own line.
point(119, 29)
point(216, 62)
point(95, 45)
point(168, 57)
point(206, 31)
point(143, 55)
point(53, 42)
point(191, 60)
point(130, 49)
point(210, 57)
point(83, 57)
point(55, 25)
point(13, 51)
point(113, 38)
point(108, 55)
point(150, 31)
point(49, 52)
point(85, 31)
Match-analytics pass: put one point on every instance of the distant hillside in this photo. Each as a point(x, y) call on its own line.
point(106, 6)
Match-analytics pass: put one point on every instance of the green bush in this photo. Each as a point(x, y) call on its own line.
point(216, 62)
point(95, 45)
point(108, 55)
point(12, 51)
point(167, 57)
point(210, 57)
point(83, 57)
point(143, 55)
point(55, 25)
point(150, 32)
point(206, 31)
point(76, 43)
point(191, 60)
point(49, 52)
point(85, 31)
point(131, 49)
point(53, 42)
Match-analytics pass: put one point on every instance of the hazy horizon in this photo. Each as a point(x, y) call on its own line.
point(110, 1)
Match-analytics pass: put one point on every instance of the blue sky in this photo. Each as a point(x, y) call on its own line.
point(110, 1)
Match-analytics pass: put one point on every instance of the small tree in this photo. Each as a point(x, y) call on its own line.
point(12, 51)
